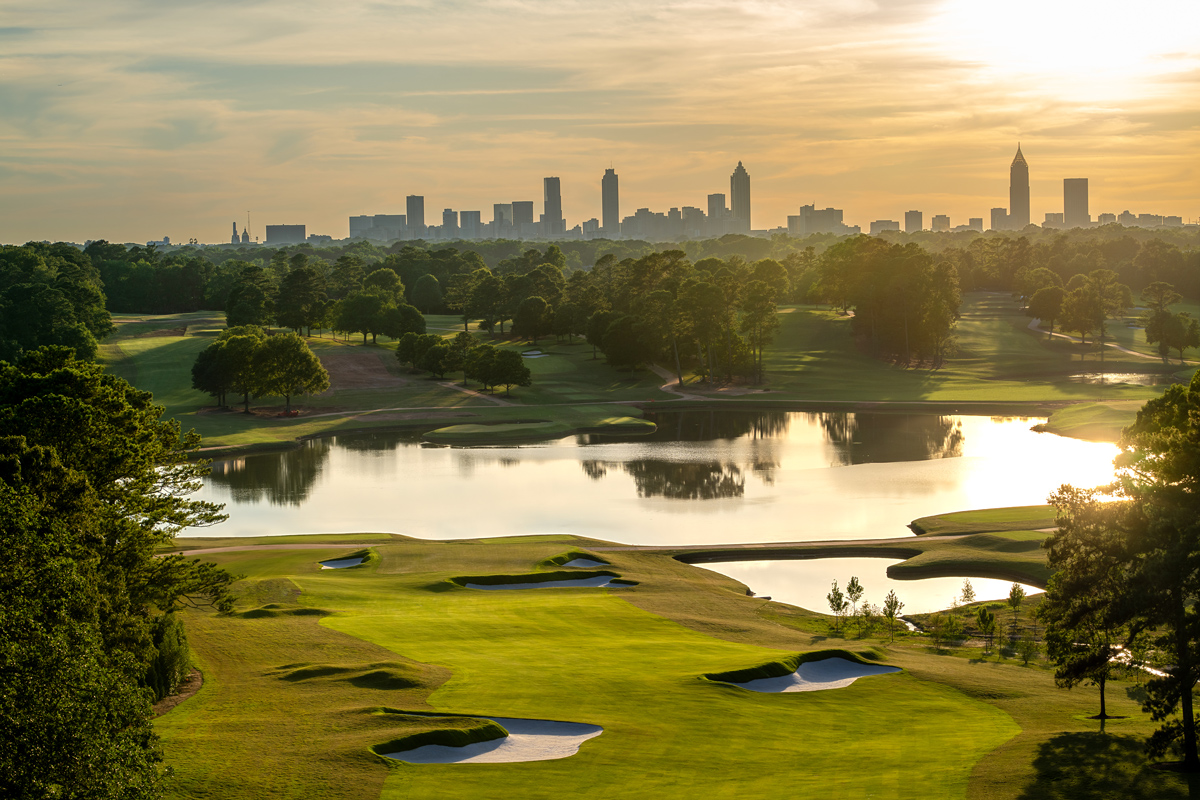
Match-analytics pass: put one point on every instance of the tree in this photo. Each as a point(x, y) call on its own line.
point(238, 365)
point(986, 621)
point(480, 364)
point(508, 369)
point(362, 312)
point(406, 349)
point(837, 604)
point(891, 609)
point(534, 318)
point(1016, 595)
point(1027, 649)
point(81, 587)
point(434, 359)
point(427, 294)
point(251, 300)
point(458, 351)
point(1081, 312)
point(1179, 332)
point(385, 282)
point(597, 326)
point(302, 300)
point(1046, 304)
point(968, 592)
point(287, 366)
point(624, 343)
point(396, 321)
point(760, 321)
point(854, 593)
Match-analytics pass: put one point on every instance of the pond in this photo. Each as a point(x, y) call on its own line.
point(703, 477)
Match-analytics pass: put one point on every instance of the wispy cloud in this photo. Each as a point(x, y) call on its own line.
point(311, 111)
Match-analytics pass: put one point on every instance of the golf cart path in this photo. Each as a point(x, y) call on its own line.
point(1033, 326)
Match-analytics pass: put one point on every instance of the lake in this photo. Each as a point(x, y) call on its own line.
point(702, 477)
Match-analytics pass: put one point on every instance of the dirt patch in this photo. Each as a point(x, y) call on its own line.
point(191, 684)
point(359, 370)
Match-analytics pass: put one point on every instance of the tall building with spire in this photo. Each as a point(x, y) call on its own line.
point(610, 204)
point(234, 240)
point(1018, 192)
point(739, 199)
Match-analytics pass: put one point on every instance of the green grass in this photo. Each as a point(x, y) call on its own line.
point(1097, 422)
point(1013, 518)
point(999, 363)
point(291, 703)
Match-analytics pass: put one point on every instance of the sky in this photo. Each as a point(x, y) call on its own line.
point(132, 119)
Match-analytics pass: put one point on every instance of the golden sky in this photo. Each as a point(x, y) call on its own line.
point(131, 119)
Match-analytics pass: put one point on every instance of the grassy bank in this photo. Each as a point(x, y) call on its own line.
point(293, 689)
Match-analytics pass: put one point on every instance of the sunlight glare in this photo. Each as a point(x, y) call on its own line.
point(1082, 50)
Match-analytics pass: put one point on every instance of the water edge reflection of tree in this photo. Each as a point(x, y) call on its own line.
point(886, 438)
point(676, 480)
point(279, 478)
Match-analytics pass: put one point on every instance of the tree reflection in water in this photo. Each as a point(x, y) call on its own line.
point(282, 479)
point(885, 438)
point(686, 480)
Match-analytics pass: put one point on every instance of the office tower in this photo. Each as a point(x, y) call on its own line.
point(522, 213)
point(881, 225)
point(610, 204)
point(999, 219)
point(716, 207)
point(1127, 219)
point(1054, 219)
point(1106, 219)
point(286, 234)
point(812, 220)
point(913, 221)
point(379, 227)
point(1173, 222)
point(739, 199)
point(234, 240)
point(552, 206)
point(1075, 203)
point(415, 206)
point(1018, 192)
point(941, 223)
point(502, 213)
point(449, 223)
point(471, 226)
point(975, 223)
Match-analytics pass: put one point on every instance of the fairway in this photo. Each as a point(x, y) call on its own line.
point(313, 657)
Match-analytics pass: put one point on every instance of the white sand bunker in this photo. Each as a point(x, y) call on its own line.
point(534, 354)
point(590, 583)
point(342, 563)
point(585, 562)
point(527, 740)
point(813, 676)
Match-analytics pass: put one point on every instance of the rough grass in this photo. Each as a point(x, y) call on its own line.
point(1096, 422)
point(631, 661)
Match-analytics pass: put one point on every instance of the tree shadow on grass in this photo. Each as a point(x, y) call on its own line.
point(1097, 766)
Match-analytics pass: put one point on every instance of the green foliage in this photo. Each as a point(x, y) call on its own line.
point(302, 300)
point(251, 299)
point(427, 295)
point(285, 366)
point(534, 318)
point(838, 604)
point(172, 658)
point(891, 610)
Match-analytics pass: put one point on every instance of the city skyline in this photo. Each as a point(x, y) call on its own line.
point(128, 120)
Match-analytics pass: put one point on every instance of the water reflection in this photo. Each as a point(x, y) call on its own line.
point(888, 438)
point(281, 479)
point(805, 583)
point(781, 477)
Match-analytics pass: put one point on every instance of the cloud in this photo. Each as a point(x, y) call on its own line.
point(311, 111)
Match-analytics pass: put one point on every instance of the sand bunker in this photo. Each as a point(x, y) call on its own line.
point(342, 563)
point(527, 740)
point(591, 583)
point(813, 676)
point(585, 562)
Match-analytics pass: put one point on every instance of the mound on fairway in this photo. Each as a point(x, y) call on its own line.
point(527, 740)
point(815, 676)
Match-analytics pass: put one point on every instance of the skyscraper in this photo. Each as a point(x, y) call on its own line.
point(717, 215)
point(449, 223)
point(610, 204)
point(1075, 203)
point(999, 219)
point(234, 240)
point(415, 208)
point(471, 227)
point(913, 221)
point(739, 199)
point(555, 224)
point(1018, 192)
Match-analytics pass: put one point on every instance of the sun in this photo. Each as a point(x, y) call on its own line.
point(1087, 50)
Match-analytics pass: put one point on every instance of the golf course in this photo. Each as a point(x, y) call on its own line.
point(322, 679)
